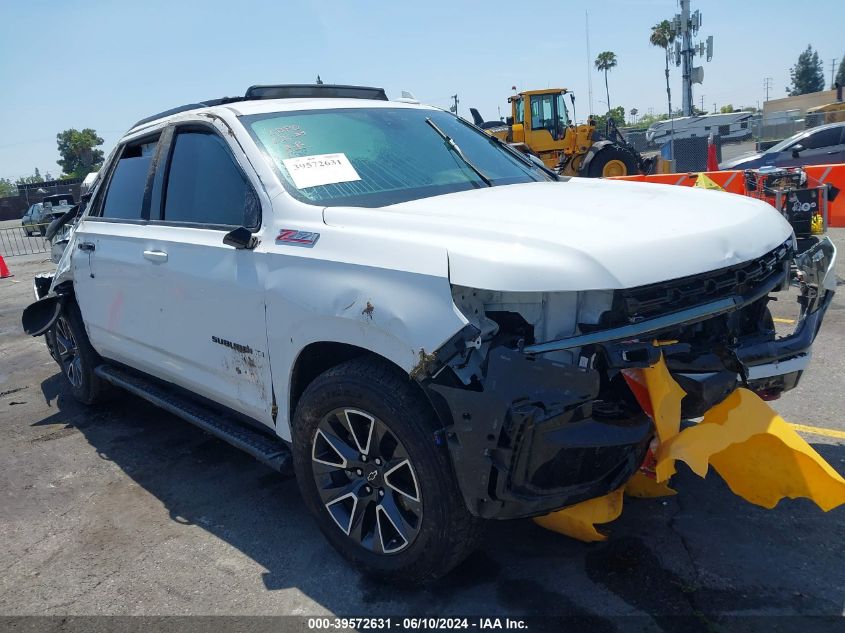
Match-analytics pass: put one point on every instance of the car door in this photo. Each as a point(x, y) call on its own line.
point(106, 264)
point(819, 147)
point(188, 308)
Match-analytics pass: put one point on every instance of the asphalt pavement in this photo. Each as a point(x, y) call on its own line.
point(124, 509)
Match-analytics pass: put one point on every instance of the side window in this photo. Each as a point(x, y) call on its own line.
point(125, 196)
point(206, 186)
point(520, 110)
point(822, 138)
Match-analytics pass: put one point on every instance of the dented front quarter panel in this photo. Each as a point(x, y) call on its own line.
point(386, 294)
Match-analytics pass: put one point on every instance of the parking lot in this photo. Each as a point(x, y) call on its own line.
point(127, 510)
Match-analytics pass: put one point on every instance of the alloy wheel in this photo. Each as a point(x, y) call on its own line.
point(366, 481)
point(68, 352)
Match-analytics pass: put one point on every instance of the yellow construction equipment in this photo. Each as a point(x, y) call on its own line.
point(540, 125)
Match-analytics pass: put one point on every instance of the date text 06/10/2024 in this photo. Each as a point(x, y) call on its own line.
point(415, 624)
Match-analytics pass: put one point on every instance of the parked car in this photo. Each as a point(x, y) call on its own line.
point(427, 327)
point(31, 220)
point(817, 146)
point(54, 207)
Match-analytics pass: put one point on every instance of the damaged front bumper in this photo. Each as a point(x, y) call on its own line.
point(533, 434)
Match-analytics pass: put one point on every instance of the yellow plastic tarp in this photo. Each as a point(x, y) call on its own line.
point(579, 521)
point(756, 452)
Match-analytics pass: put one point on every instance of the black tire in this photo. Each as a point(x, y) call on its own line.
point(445, 531)
point(42, 230)
point(612, 154)
point(70, 347)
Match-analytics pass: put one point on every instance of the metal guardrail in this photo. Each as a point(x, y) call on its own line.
point(15, 241)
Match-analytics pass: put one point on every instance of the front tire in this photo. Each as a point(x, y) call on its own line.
point(612, 160)
point(69, 345)
point(382, 492)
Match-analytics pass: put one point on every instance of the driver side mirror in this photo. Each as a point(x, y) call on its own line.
point(797, 149)
point(241, 238)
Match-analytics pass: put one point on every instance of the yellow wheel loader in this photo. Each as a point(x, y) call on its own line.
point(540, 125)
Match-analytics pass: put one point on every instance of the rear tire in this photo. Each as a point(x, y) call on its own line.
point(612, 160)
point(70, 347)
point(366, 416)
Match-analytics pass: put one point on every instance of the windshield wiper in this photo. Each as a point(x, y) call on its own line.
point(452, 145)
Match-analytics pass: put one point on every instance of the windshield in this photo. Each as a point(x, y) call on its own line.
point(371, 157)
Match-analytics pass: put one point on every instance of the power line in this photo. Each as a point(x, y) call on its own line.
point(767, 85)
point(832, 70)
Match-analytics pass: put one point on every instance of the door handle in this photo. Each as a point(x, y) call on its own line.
point(86, 246)
point(155, 256)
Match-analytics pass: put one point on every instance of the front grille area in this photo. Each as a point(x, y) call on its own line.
point(645, 302)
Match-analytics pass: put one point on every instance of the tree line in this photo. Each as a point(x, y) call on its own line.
point(78, 154)
point(806, 76)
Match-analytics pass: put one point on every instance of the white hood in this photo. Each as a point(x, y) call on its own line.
point(581, 234)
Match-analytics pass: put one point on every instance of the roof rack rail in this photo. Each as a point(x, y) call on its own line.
point(280, 91)
point(188, 106)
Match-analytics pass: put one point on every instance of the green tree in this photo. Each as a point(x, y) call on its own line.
point(604, 63)
point(617, 114)
point(663, 37)
point(807, 74)
point(727, 109)
point(30, 180)
point(840, 74)
point(78, 154)
point(7, 188)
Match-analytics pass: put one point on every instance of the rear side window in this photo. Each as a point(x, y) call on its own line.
point(125, 196)
point(205, 184)
point(822, 138)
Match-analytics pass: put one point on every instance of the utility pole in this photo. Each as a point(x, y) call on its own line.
point(589, 63)
point(686, 24)
point(454, 108)
point(714, 107)
point(767, 85)
point(832, 70)
point(702, 103)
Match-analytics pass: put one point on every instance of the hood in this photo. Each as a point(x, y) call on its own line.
point(579, 234)
point(734, 163)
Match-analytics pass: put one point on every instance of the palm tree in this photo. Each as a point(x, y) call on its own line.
point(604, 62)
point(663, 37)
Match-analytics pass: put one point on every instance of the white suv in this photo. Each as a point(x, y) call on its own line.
point(425, 325)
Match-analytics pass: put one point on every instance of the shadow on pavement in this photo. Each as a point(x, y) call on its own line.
point(703, 555)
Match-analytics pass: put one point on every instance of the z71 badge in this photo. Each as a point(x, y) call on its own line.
point(298, 238)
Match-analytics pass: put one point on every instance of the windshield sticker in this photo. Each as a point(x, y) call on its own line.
point(287, 136)
point(321, 169)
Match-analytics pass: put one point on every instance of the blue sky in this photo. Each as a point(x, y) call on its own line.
point(107, 64)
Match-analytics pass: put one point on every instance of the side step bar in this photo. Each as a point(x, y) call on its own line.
point(271, 451)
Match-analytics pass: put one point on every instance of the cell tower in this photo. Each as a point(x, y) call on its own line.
point(686, 25)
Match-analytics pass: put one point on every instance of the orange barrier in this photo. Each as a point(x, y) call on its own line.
point(734, 182)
